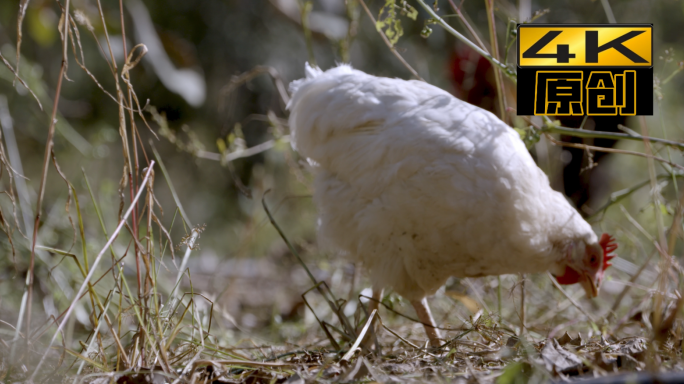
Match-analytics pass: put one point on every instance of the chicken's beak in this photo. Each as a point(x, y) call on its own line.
point(590, 286)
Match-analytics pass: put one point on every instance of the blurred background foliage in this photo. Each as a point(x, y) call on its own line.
point(197, 52)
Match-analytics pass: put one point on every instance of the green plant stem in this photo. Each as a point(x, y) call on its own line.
point(507, 71)
point(287, 241)
point(552, 128)
point(392, 48)
point(676, 71)
point(329, 297)
point(495, 54)
point(620, 195)
point(609, 11)
point(465, 23)
point(509, 42)
point(498, 294)
point(613, 150)
point(522, 304)
point(95, 333)
point(43, 179)
point(77, 296)
point(305, 7)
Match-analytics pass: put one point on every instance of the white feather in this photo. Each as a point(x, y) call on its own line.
point(421, 186)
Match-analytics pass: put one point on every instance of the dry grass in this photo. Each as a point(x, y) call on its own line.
point(141, 322)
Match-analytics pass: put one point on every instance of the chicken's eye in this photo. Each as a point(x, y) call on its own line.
point(593, 260)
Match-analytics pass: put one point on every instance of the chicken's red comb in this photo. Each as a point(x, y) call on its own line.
point(609, 245)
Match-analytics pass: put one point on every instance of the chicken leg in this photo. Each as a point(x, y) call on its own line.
point(425, 317)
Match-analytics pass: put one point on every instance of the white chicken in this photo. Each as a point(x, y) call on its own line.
point(420, 186)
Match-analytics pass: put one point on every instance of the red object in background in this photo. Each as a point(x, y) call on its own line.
point(473, 78)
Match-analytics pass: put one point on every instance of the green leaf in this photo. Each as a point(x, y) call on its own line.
point(41, 27)
point(518, 372)
point(408, 11)
point(664, 210)
point(521, 132)
point(221, 145)
point(529, 136)
point(388, 23)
